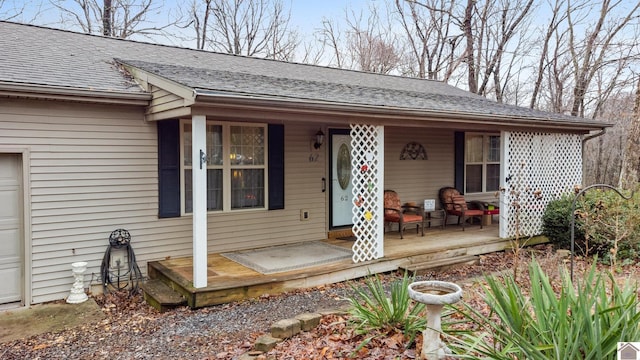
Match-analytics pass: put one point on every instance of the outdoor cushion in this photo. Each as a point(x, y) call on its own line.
point(391, 203)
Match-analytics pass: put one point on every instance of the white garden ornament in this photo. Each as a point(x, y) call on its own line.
point(78, 295)
point(434, 294)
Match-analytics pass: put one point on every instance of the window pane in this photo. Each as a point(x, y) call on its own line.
point(247, 145)
point(214, 189)
point(474, 179)
point(187, 144)
point(494, 149)
point(214, 144)
point(247, 188)
point(473, 149)
point(493, 177)
point(188, 191)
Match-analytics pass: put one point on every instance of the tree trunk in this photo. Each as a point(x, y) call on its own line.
point(469, 55)
point(631, 161)
point(107, 26)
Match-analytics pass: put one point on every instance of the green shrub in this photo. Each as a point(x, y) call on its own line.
point(611, 225)
point(373, 313)
point(582, 323)
point(556, 222)
point(606, 225)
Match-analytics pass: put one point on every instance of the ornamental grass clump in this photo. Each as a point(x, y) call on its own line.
point(582, 323)
point(375, 314)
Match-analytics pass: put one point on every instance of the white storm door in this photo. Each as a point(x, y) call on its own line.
point(341, 188)
point(11, 249)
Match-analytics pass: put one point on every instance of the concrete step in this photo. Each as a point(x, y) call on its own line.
point(440, 264)
point(161, 296)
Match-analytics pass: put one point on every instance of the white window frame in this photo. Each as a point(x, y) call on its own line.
point(226, 167)
point(484, 163)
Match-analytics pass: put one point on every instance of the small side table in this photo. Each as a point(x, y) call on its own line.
point(436, 214)
point(487, 217)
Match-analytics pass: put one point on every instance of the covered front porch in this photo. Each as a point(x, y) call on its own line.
point(229, 281)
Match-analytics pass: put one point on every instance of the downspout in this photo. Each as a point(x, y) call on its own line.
point(584, 141)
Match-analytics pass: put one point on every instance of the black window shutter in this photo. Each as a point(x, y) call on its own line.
point(459, 160)
point(276, 166)
point(168, 168)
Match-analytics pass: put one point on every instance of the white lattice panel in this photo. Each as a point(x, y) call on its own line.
point(367, 166)
point(539, 167)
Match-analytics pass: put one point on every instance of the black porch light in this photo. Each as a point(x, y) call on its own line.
point(319, 139)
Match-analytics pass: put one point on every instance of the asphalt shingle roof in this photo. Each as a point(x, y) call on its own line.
point(43, 56)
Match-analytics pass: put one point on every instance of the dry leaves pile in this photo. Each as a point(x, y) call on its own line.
point(133, 330)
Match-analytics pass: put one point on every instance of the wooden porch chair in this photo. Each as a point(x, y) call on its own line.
point(454, 203)
point(395, 212)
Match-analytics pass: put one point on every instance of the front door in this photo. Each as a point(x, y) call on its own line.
point(341, 203)
point(11, 250)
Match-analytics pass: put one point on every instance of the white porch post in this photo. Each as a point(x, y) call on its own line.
point(505, 166)
point(199, 178)
point(367, 168)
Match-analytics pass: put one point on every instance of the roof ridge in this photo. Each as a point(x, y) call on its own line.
point(141, 64)
point(211, 52)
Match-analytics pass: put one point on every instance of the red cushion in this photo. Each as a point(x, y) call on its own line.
point(391, 216)
point(412, 218)
point(473, 212)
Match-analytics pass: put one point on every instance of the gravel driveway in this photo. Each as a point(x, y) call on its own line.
point(133, 330)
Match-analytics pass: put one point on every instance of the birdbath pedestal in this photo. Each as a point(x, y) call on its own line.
point(434, 294)
point(77, 294)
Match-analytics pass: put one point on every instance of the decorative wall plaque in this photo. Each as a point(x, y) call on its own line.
point(413, 151)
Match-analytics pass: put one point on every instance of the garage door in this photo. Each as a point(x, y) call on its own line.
point(11, 248)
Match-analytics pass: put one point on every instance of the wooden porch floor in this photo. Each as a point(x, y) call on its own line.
point(229, 281)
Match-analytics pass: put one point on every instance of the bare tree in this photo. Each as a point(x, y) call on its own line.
point(330, 37)
point(510, 20)
point(630, 168)
point(488, 28)
point(243, 27)
point(10, 10)
point(367, 42)
point(470, 47)
point(598, 49)
point(372, 46)
point(24, 11)
point(115, 18)
point(556, 18)
point(431, 38)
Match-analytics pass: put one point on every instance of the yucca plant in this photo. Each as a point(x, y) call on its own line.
point(375, 313)
point(582, 323)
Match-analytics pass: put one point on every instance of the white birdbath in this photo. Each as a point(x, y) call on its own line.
point(78, 295)
point(434, 294)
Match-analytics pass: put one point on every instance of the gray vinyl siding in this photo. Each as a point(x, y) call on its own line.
point(94, 169)
point(164, 100)
point(416, 180)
